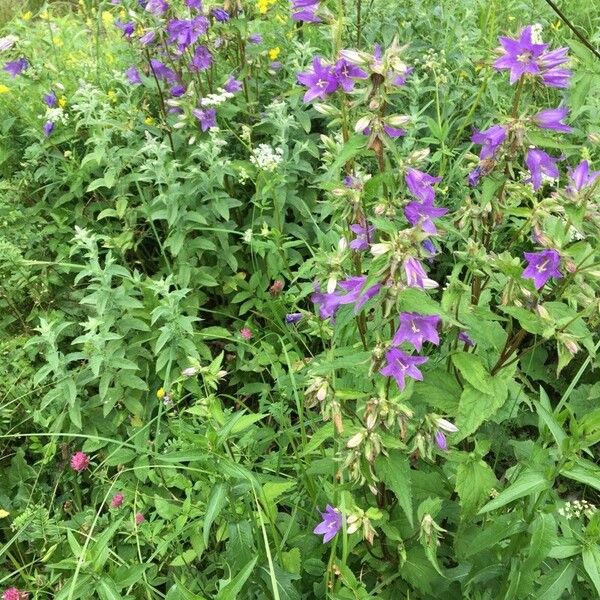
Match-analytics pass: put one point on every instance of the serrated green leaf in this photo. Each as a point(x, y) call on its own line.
point(527, 483)
point(394, 471)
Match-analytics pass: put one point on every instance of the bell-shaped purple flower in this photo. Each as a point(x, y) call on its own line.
point(133, 75)
point(330, 525)
point(420, 184)
point(346, 73)
point(490, 140)
point(232, 85)
point(400, 365)
point(206, 117)
point(320, 82)
point(416, 328)
point(291, 318)
point(157, 7)
point(364, 236)
point(220, 14)
point(184, 32)
point(127, 28)
point(202, 59)
point(162, 72)
point(177, 90)
point(305, 11)
point(541, 266)
point(48, 128)
point(520, 55)
point(50, 99)
point(16, 67)
point(328, 303)
point(423, 213)
point(553, 118)
point(581, 177)
point(541, 165)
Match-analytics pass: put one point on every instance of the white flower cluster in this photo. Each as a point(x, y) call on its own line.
point(536, 33)
point(267, 158)
point(216, 99)
point(576, 508)
point(56, 115)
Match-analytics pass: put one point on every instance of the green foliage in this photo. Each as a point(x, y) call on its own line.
point(147, 268)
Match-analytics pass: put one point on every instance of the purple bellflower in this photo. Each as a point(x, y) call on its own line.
point(364, 235)
point(133, 75)
point(162, 72)
point(346, 72)
point(206, 117)
point(196, 4)
point(553, 118)
point(520, 55)
point(148, 38)
point(330, 525)
point(48, 128)
point(50, 99)
point(128, 29)
point(542, 266)
point(291, 318)
point(305, 11)
point(465, 338)
point(16, 67)
point(420, 184)
point(220, 14)
point(177, 90)
point(320, 81)
point(232, 85)
point(490, 140)
point(353, 286)
point(581, 177)
point(157, 7)
point(423, 213)
point(185, 32)
point(416, 328)
point(401, 365)
point(415, 274)
point(440, 437)
point(540, 165)
point(201, 60)
point(255, 38)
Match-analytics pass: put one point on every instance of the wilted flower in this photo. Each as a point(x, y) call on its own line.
point(416, 328)
point(80, 461)
point(7, 42)
point(331, 524)
point(552, 119)
point(401, 365)
point(542, 266)
point(540, 165)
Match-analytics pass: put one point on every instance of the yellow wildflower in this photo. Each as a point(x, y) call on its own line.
point(107, 18)
point(122, 14)
point(4, 89)
point(263, 5)
point(150, 121)
point(44, 15)
point(160, 393)
point(110, 58)
point(62, 101)
point(112, 96)
point(274, 53)
point(27, 16)
point(57, 41)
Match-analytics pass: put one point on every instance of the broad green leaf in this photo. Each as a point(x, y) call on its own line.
point(527, 483)
point(473, 370)
point(585, 472)
point(475, 407)
point(394, 471)
point(474, 481)
point(107, 590)
point(528, 320)
point(233, 588)
point(544, 410)
point(591, 564)
point(554, 583)
point(502, 527)
point(216, 502)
